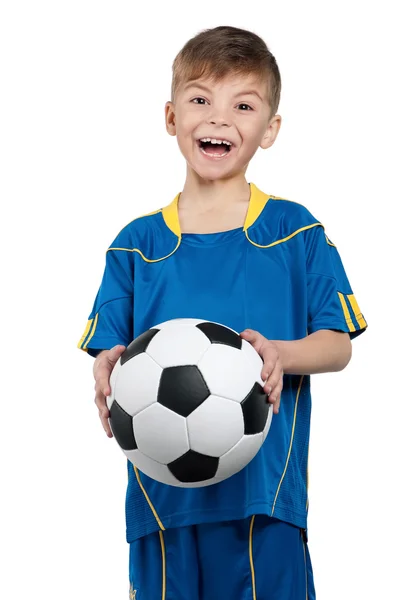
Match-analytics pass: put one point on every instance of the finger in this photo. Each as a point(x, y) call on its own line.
point(100, 400)
point(104, 371)
point(274, 379)
point(115, 353)
point(275, 397)
point(104, 417)
point(103, 412)
point(268, 368)
point(253, 337)
point(102, 383)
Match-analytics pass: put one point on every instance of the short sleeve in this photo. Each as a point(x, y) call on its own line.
point(111, 320)
point(331, 301)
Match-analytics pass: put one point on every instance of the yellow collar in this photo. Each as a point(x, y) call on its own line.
point(257, 202)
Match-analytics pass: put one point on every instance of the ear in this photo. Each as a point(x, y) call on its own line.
point(170, 115)
point(271, 132)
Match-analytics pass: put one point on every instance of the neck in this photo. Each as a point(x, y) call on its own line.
point(210, 195)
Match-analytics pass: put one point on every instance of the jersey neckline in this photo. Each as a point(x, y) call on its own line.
point(211, 239)
point(257, 202)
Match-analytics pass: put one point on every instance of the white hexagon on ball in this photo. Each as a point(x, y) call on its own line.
point(215, 426)
point(186, 347)
point(151, 468)
point(240, 455)
point(160, 433)
point(227, 372)
point(137, 383)
point(254, 360)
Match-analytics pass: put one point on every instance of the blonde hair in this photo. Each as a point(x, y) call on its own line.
point(215, 53)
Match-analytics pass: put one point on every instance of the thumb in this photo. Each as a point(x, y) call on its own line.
point(253, 337)
point(250, 335)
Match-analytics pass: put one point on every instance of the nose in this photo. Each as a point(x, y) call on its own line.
point(218, 118)
point(219, 122)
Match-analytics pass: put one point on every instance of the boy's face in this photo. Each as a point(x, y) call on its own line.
point(235, 111)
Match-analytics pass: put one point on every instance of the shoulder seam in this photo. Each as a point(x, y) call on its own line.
point(148, 260)
point(322, 275)
point(287, 238)
point(287, 200)
point(150, 214)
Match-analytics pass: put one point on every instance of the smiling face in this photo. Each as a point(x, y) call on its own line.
point(220, 125)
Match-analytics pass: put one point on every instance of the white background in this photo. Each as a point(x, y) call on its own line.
point(83, 151)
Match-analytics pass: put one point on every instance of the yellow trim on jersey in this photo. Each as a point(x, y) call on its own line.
point(155, 514)
point(170, 216)
point(286, 238)
point(163, 565)
point(90, 323)
point(329, 242)
point(80, 344)
point(357, 312)
point(257, 202)
point(346, 312)
point(291, 444)
point(148, 260)
point(251, 556)
point(154, 212)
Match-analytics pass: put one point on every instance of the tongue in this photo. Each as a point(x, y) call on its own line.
point(216, 149)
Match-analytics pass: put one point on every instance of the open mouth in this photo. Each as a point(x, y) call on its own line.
point(215, 148)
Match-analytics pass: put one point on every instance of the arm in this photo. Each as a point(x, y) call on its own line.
point(321, 352)
point(110, 327)
point(102, 369)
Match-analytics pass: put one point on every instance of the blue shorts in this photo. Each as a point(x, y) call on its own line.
point(259, 558)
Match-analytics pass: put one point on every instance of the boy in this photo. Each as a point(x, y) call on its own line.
point(225, 251)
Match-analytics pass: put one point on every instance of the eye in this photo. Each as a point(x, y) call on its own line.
point(198, 100)
point(246, 106)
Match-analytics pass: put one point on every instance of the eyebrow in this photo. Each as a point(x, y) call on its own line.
point(206, 89)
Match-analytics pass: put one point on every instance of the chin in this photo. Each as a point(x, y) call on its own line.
point(215, 172)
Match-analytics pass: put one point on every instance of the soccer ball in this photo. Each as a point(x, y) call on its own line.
point(187, 403)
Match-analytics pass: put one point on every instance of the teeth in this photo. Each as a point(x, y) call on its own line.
point(212, 155)
point(214, 141)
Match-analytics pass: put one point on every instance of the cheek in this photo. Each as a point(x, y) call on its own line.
point(187, 122)
point(253, 132)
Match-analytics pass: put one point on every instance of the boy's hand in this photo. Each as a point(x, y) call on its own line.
point(272, 371)
point(102, 369)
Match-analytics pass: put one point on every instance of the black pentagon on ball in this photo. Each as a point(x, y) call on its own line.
point(182, 389)
point(218, 334)
point(193, 467)
point(138, 346)
point(255, 409)
point(122, 427)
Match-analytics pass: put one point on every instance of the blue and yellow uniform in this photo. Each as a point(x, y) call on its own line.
point(279, 275)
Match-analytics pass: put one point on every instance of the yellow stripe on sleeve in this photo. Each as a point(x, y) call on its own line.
point(92, 331)
point(346, 312)
point(80, 344)
point(357, 312)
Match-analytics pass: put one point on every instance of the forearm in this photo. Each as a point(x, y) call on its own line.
point(321, 352)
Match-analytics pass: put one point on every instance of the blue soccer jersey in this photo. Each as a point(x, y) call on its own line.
point(280, 275)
